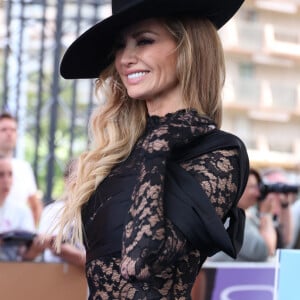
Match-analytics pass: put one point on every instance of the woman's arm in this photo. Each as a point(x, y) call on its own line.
point(151, 242)
point(71, 254)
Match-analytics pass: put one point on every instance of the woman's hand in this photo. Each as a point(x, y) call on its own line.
point(174, 130)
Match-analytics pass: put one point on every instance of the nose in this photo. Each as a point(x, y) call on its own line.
point(128, 55)
point(9, 131)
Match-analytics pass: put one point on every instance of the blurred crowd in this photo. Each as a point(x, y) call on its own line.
point(272, 211)
point(27, 226)
point(272, 208)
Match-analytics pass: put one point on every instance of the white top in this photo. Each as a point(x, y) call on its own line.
point(15, 216)
point(24, 184)
point(48, 225)
point(48, 221)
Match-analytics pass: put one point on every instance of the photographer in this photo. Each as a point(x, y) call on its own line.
point(267, 204)
point(260, 237)
point(278, 196)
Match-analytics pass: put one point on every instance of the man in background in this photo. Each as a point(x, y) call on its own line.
point(24, 188)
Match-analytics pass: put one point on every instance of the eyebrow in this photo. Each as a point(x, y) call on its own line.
point(140, 32)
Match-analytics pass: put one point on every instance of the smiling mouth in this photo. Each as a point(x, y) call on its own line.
point(136, 75)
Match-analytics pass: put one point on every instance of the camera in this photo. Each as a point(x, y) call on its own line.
point(283, 188)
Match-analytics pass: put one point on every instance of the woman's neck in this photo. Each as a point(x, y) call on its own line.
point(159, 108)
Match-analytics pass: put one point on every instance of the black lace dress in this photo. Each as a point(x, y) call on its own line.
point(133, 250)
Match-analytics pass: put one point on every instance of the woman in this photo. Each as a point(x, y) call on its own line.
point(43, 246)
point(160, 178)
point(15, 218)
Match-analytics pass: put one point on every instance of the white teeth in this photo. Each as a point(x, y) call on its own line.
point(136, 75)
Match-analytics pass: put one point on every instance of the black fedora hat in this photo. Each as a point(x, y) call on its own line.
point(90, 53)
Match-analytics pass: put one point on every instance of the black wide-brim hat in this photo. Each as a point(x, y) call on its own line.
point(90, 53)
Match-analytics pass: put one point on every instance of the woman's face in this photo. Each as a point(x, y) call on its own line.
point(251, 193)
point(146, 62)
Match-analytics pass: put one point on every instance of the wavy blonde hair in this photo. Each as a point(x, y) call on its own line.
point(115, 126)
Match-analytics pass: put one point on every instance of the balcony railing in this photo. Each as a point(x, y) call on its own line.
point(243, 36)
point(253, 93)
point(262, 39)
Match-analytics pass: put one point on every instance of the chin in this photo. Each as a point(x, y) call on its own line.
point(136, 97)
point(138, 94)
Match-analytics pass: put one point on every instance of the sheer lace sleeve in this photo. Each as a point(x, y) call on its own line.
point(218, 175)
point(150, 241)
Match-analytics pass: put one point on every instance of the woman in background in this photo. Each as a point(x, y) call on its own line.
point(43, 247)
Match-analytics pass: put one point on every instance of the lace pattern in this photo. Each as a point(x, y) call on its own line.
point(157, 262)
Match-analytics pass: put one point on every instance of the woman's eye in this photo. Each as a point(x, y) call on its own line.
point(145, 41)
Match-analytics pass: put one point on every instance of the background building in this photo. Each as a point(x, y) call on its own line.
point(262, 93)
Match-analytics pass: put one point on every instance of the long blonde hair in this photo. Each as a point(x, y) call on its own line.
point(115, 126)
point(200, 67)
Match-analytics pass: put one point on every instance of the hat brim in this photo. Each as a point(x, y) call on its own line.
point(90, 53)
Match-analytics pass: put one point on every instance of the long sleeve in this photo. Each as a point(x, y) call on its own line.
point(148, 237)
point(150, 241)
